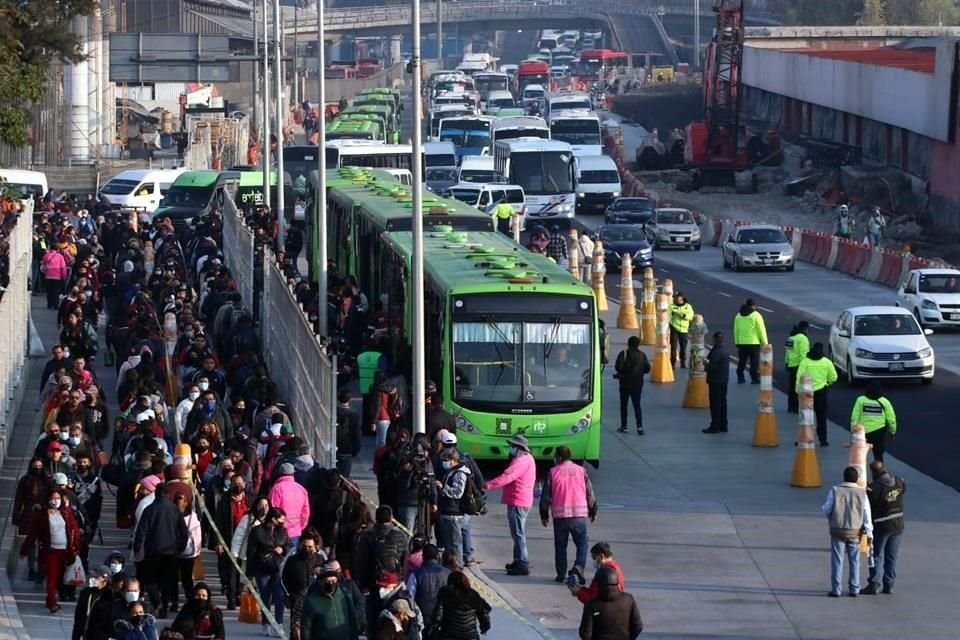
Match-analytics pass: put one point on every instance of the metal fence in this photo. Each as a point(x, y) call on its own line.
point(238, 251)
point(306, 377)
point(14, 323)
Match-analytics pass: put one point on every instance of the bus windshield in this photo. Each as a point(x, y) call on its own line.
point(300, 161)
point(522, 362)
point(542, 172)
point(465, 132)
point(188, 196)
point(512, 134)
point(485, 84)
point(580, 132)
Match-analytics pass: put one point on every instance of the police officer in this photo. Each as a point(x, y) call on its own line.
point(749, 334)
point(503, 216)
point(798, 346)
point(822, 374)
point(681, 313)
point(876, 414)
point(886, 503)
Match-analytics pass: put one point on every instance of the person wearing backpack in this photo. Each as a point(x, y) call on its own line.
point(454, 500)
point(349, 435)
point(381, 548)
point(632, 364)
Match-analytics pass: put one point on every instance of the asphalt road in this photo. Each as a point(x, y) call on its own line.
point(927, 438)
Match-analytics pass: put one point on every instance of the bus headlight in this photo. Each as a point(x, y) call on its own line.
point(582, 424)
point(463, 423)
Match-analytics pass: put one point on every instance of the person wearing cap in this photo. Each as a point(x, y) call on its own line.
point(58, 536)
point(749, 334)
point(98, 584)
point(448, 443)
point(681, 313)
point(613, 614)
point(845, 222)
point(293, 499)
point(875, 227)
point(329, 612)
point(394, 621)
point(517, 482)
point(55, 462)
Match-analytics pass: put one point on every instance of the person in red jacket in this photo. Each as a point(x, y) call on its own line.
point(58, 534)
point(602, 557)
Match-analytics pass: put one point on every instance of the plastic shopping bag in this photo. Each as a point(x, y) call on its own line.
point(74, 575)
point(249, 609)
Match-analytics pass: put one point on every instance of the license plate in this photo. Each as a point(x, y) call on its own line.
point(955, 316)
point(769, 261)
point(676, 239)
point(896, 366)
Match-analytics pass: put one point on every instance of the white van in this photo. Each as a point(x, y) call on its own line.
point(499, 100)
point(139, 188)
point(403, 176)
point(441, 154)
point(478, 169)
point(598, 182)
point(28, 183)
point(486, 196)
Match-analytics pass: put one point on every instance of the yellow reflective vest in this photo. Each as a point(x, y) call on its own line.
point(874, 414)
point(798, 346)
point(503, 211)
point(749, 329)
point(822, 373)
point(680, 316)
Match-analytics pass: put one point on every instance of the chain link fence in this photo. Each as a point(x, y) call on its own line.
point(14, 333)
point(297, 361)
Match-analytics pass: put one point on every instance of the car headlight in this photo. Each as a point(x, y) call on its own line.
point(925, 352)
point(747, 254)
point(929, 304)
point(566, 208)
point(662, 233)
point(616, 194)
point(463, 423)
point(582, 424)
point(695, 233)
point(863, 353)
point(582, 195)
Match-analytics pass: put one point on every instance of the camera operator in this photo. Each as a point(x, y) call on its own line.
point(416, 492)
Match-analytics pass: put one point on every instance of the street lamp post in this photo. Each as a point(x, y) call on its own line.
point(265, 143)
point(419, 369)
point(439, 34)
point(321, 218)
point(281, 110)
point(696, 34)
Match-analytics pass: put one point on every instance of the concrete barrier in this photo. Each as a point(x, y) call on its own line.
point(872, 273)
point(832, 255)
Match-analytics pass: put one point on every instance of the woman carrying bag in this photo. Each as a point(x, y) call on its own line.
point(267, 546)
point(58, 534)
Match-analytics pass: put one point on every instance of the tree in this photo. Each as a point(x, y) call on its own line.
point(825, 12)
point(935, 12)
point(35, 33)
point(873, 13)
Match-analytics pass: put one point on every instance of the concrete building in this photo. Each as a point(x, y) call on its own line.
point(891, 92)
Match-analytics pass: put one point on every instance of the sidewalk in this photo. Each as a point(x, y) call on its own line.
point(715, 543)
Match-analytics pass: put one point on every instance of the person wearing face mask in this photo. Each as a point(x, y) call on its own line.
point(161, 535)
point(31, 495)
point(98, 416)
point(109, 607)
point(207, 407)
point(328, 611)
point(267, 546)
point(57, 534)
point(98, 584)
point(517, 482)
point(138, 625)
point(185, 407)
point(72, 411)
point(200, 618)
point(298, 571)
point(87, 487)
point(229, 515)
point(602, 556)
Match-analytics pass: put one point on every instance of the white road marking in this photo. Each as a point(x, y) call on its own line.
point(765, 309)
point(725, 295)
point(817, 327)
point(690, 281)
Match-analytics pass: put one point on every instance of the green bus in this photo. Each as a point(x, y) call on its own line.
point(358, 213)
point(194, 194)
point(250, 193)
point(511, 338)
point(383, 100)
point(358, 128)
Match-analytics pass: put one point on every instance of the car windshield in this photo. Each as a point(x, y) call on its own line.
point(633, 204)
point(470, 196)
point(886, 325)
point(440, 175)
point(761, 236)
point(939, 283)
point(674, 217)
point(119, 187)
point(623, 233)
point(599, 177)
point(522, 362)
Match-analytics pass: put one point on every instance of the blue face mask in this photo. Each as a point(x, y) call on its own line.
point(210, 405)
point(447, 464)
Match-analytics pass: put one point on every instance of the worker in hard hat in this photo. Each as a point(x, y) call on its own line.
point(875, 227)
point(845, 222)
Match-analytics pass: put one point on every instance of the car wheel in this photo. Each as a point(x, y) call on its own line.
point(723, 259)
point(851, 376)
point(916, 314)
point(791, 267)
point(696, 247)
point(735, 263)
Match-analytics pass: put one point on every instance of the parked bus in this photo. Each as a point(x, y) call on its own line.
point(579, 129)
point(514, 341)
point(518, 127)
point(544, 169)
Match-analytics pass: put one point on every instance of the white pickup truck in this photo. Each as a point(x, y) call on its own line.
point(933, 296)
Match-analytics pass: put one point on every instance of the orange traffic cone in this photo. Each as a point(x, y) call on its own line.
point(696, 395)
point(648, 309)
point(765, 426)
point(662, 370)
point(806, 469)
point(597, 272)
point(627, 317)
point(573, 253)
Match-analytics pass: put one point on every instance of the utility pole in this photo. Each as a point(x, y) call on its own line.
point(256, 74)
point(696, 34)
point(419, 369)
point(296, 65)
point(281, 111)
point(265, 146)
point(439, 35)
point(321, 223)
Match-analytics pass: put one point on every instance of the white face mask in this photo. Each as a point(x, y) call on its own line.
point(66, 353)
point(204, 386)
point(93, 583)
point(194, 395)
point(275, 429)
point(132, 596)
point(385, 591)
point(55, 503)
point(74, 440)
point(116, 567)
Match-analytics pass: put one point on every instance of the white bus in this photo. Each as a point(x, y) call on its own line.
point(568, 101)
point(488, 81)
point(580, 129)
point(300, 160)
point(544, 169)
point(519, 127)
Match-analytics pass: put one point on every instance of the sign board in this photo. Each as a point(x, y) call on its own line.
point(169, 57)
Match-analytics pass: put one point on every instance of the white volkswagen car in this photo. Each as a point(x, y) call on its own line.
point(881, 342)
point(933, 296)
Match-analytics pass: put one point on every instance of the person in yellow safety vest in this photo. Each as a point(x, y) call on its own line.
point(822, 374)
point(797, 348)
point(876, 415)
point(503, 215)
point(749, 334)
point(681, 313)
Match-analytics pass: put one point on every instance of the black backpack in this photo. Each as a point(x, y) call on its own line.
point(472, 502)
point(385, 552)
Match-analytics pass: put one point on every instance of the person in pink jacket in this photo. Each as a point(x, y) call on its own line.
point(517, 482)
point(54, 267)
point(286, 494)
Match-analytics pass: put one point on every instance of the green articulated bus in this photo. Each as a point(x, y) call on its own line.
point(512, 340)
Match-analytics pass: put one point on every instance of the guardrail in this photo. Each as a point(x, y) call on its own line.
point(14, 327)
